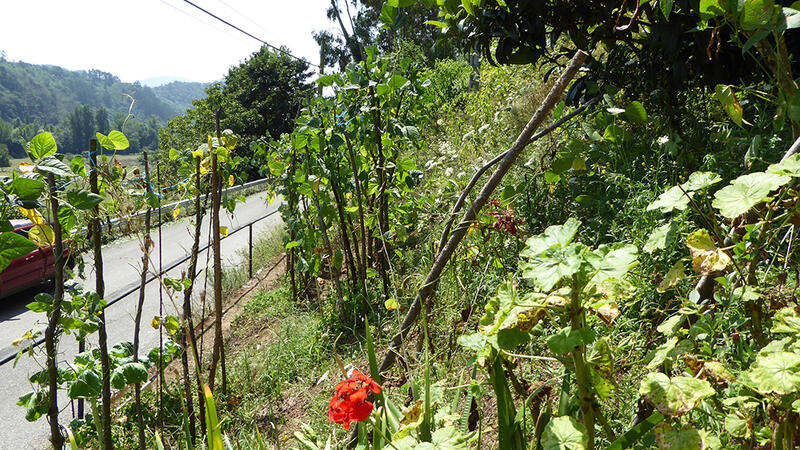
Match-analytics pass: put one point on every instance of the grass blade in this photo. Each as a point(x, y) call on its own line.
point(634, 434)
point(212, 422)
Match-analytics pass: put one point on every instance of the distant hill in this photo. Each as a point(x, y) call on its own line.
point(180, 94)
point(160, 81)
point(47, 94)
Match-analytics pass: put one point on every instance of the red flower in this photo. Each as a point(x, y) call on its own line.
point(349, 403)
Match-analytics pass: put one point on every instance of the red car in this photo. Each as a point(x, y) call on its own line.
point(31, 270)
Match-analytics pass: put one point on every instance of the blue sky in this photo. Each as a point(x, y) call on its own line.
point(140, 39)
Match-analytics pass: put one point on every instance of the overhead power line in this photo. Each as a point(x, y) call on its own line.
point(277, 49)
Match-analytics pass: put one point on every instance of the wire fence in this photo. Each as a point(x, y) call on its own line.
point(175, 264)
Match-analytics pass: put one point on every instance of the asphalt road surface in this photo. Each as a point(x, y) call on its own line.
point(122, 260)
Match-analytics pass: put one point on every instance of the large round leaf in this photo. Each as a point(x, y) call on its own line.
point(776, 372)
point(746, 192)
point(674, 396)
point(565, 433)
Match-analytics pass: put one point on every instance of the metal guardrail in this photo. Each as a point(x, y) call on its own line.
point(122, 221)
point(175, 264)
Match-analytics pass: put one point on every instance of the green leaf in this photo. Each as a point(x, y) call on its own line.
point(611, 263)
point(104, 141)
point(559, 235)
point(51, 164)
point(565, 433)
point(13, 246)
point(673, 199)
point(746, 192)
point(510, 338)
point(398, 82)
point(83, 200)
point(555, 264)
point(77, 166)
point(786, 321)
point(565, 340)
point(88, 385)
point(468, 7)
point(684, 439)
point(737, 426)
point(474, 342)
point(790, 166)
point(754, 39)
point(666, 7)
point(28, 188)
point(114, 141)
point(659, 238)
point(388, 15)
point(674, 396)
point(776, 373)
point(730, 103)
point(42, 145)
point(756, 13)
point(134, 372)
point(712, 8)
point(635, 113)
point(700, 180)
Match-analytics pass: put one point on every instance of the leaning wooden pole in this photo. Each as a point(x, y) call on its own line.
point(50, 333)
point(429, 286)
point(137, 325)
point(100, 289)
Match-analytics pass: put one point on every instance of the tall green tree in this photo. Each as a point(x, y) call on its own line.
point(81, 128)
point(258, 100)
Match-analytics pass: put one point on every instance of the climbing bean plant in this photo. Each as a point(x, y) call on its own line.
point(347, 168)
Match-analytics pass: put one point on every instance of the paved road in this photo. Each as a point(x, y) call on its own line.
point(122, 270)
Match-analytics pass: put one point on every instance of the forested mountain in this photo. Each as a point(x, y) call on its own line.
point(46, 94)
point(75, 104)
point(179, 94)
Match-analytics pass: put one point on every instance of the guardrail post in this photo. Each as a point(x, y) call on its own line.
point(250, 251)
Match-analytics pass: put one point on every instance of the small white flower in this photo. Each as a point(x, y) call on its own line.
point(663, 140)
point(448, 171)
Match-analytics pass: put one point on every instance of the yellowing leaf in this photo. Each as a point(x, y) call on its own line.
point(579, 163)
point(176, 213)
point(198, 153)
point(391, 304)
point(706, 257)
point(32, 215)
point(156, 322)
point(608, 312)
point(42, 235)
point(223, 231)
point(675, 275)
point(231, 181)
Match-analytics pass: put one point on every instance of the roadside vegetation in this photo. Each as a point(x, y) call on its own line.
point(588, 240)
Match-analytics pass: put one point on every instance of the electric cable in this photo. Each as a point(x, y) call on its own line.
point(277, 49)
